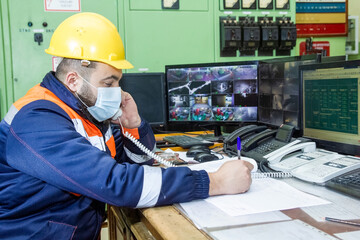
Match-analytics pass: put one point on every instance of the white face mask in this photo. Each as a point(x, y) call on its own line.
point(107, 102)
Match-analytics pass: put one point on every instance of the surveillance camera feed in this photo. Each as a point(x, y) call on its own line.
point(279, 92)
point(213, 93)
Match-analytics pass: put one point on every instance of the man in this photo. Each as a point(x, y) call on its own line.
point(60, 160)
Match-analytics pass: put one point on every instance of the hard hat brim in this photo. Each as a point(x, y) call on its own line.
point(121, 64)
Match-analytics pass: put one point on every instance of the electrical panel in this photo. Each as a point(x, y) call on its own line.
point(269, 36)
point(251, 36)
point(155, 33)
point(230, 35)
point(287, 42)
point(27, 29)
point(260, 31)
point(322, 18)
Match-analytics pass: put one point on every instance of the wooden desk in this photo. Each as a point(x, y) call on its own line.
point(151, 223)
point(169, 223)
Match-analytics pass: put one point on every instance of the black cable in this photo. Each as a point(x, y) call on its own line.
point(264, 166)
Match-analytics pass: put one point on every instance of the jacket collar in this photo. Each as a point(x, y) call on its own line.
point(51, 83)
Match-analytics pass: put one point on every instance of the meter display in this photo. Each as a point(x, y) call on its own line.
point(231, 4)
point(266, 4)
point(282, 4)
point(248, 4)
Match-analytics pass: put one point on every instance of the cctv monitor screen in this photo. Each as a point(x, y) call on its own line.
point(217, 93)
point(279, 89)
point(331, 105)
point(148, 91)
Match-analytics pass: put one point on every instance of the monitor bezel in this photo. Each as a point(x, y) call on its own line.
point(342, 148)
point(163, 90)
point(311, 57)
point(285, 60)
point(216, 124)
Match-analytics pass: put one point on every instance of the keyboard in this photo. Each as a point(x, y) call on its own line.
point(185, 141)
point(348, 183)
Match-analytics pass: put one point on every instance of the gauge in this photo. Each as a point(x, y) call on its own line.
point(266, 4)
point(173, 4)
point(282, 4)
point(248, 4)
point(231, 4)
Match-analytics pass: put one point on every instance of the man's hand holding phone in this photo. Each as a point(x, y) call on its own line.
point(130, 117)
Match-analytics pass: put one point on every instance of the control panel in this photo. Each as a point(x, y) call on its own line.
point(256, 28)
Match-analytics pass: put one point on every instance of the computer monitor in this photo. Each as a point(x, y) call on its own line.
point(331, 105)
point(279, 90)
point(148, 91)
point(212, 93)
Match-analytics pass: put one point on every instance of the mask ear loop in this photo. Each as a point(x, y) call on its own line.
point(81, 100)
point(145, 149)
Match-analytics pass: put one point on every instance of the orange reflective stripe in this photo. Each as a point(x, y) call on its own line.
point(31, 95)
point(41, 93)
point(133, 131)
point(75, 194)
point(111, 145)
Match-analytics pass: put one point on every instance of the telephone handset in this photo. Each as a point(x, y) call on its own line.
point(242, 132)
point(139, 144)
point(304, 147)
point(297, 159)
point(245, 133)
point(117, 115)
point(271, 142)
point(327, 168)
point(256, 140)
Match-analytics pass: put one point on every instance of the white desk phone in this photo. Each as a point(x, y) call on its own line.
point(293, 156)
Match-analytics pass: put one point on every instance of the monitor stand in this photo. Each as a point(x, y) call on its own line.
point(216, 137)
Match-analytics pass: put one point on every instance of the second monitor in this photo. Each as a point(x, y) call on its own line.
point(148, 91)
point(214, 93)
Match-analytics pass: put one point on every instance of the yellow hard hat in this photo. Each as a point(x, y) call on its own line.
point(89, 36)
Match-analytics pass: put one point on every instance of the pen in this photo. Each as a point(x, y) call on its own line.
point(238, 147)
point(342, 221)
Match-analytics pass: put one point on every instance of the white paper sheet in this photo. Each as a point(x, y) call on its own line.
point(294, 230)
point(206, 215)
point(355, 235)
point(265, 195)
point(330, 210)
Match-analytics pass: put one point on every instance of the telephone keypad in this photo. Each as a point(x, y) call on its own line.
point(267, 147)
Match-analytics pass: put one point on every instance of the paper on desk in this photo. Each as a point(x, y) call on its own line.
point(206, 215)
point(278, 195)
point(349, 235)
point(294, 230)
point(265, 195)
point(330, 210)
point(213, 165)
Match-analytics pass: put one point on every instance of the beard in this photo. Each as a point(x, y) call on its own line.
point(86, 96)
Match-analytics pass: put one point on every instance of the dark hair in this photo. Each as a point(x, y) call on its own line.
point(68, 64)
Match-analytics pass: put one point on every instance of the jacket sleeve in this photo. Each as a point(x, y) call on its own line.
point(42, 142)
point(128, 151)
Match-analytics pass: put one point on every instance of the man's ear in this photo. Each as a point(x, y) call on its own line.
point(72, 81)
